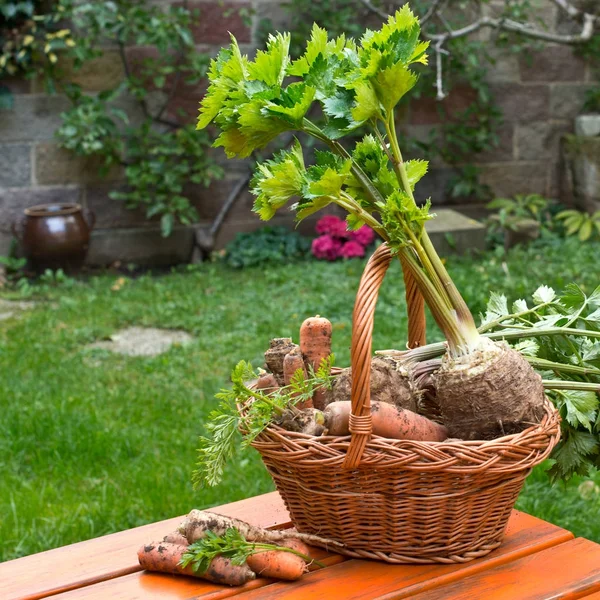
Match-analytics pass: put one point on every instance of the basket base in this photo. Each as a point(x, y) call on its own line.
point(412, 559)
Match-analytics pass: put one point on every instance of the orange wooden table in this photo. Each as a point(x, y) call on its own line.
point(537, 560)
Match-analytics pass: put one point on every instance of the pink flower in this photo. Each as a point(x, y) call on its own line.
point(328, 224)
point(326, 247)
point(364, 236)
point(338, 230)
point(352, 249)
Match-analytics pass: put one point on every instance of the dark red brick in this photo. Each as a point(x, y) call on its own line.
point(217, 19)
point(426, 110)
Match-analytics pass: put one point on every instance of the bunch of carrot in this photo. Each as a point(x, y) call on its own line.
point(287, 360)
point(229, 551)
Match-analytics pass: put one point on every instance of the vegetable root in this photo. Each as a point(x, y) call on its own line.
point(491, 392)
point(388, 421)
point(175, 538)
point(198, 523)
point(165, 558)
point(274, 356)
point(390, 382)
point(315, 344)
point(267, 383)
point(279, 564)
point(292, 363)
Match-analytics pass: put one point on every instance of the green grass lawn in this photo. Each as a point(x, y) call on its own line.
point(92, 442)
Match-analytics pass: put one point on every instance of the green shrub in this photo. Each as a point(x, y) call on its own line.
point(274, 245)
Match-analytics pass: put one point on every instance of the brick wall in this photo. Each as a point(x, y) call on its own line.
point(539, 95)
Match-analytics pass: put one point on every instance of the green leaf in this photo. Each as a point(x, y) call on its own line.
point(527, 347)
point(544, 295)
point(340, 105)
point(586, 230)
point(294, 103)
point(573, 453)
point(166, 224)
point(519, 306)
point(580, 407)
point(573, 297)
point(278, 180)
point(392, 83)
point(270, 66)
point(415, 170)
point(497, 307)
point(316, 45)
point(366, 103)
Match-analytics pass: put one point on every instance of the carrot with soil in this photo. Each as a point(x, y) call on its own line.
point(293, 365)
point(199, 524)
point(287, 560)
point(388, 420)
point(166, 557)
point(315, 345)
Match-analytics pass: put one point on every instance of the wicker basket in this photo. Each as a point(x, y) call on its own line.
point(395, 500)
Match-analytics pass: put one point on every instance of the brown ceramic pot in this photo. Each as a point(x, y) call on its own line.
point(55, 236)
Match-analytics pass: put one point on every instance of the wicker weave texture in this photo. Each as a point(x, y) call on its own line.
point(397, 500)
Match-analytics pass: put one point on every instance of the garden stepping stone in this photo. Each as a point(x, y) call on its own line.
point(9, 308)
point(144, 341)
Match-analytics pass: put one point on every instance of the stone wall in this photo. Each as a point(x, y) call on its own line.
point(539, 95)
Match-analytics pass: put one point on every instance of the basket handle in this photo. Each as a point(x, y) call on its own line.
point(361, 425)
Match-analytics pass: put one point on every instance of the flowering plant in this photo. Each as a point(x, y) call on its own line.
point(336, 241)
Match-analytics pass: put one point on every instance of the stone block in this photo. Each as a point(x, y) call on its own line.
point(453, 233)
point(587, 125)
point(540, 139)
point(113, 214)
point(140, 246)
point(14, 200)
point(520, 102)
point(270, 17)
point(504, 151)
point(504, 67)
point(33, 117)
point(552, 63)
point(435, 185)
point(566, 100)
point(55, 165)
point(509, 179)
point(15, 165)
point(6, 243)
point(217, 19)
point(96, 75)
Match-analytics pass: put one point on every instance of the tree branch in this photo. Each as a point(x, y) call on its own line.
point(503, 24)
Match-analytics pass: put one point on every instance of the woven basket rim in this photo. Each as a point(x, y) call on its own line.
point(514, 452)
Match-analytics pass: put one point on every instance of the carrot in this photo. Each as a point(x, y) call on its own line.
point(277, 564)
point(267, 382)
point(388, 421)
point(175, 538)
point(165, 558)
point(198, 523)
point(292, 363)
point(315, 344)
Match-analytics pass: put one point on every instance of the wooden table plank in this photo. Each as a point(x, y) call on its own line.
point(568, 571)
point(361, 579)
point(114, 555)
point(157, 586)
